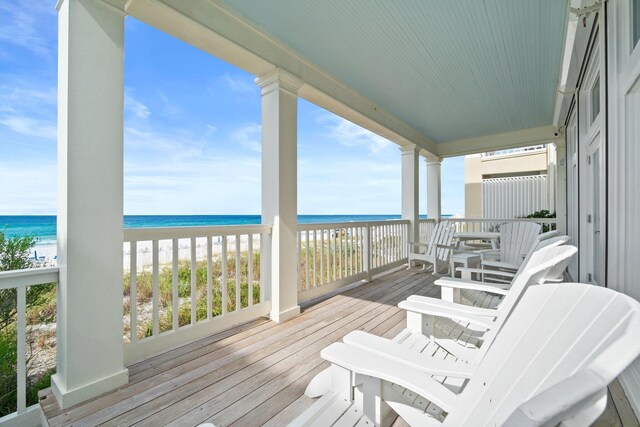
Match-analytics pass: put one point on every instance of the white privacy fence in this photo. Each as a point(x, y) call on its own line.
point(184, 283)
point(332, 255)
point(514, 197)
point(14, 284)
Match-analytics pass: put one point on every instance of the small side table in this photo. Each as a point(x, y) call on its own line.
point(466, 259)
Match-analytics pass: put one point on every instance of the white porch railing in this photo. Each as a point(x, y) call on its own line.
point(482, 225)
point(20, 280)
point(333, 255)
point(426, 228)
point(184, 283)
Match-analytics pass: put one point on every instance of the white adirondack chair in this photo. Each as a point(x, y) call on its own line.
point(516, 240)
point(550, 364)
point(465, 289)
point(437, 251)
point(421, 337)
point(505, 272)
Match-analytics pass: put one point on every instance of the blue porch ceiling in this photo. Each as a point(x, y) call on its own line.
point(452, 69)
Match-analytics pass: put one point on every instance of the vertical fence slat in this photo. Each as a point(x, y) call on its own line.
point(209, 278)
point(224, 275)
point(250, 270)
point(315, 251)
point(238, 295)
point(133, 291)
point(306, 260)
point(22, 340)
point(322, 257)
point(299, 233)
point(174, 284)
point(333, 232)
point(193, 280)
point(155, 293)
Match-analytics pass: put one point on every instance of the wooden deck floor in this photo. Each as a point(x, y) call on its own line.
point(255, 374)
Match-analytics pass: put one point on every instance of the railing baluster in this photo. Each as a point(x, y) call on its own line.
point(133, 291)
point(322, 282)
point(334, 252)
point(340, 253)
point(306, 260)
point(209, 278)
point(315, 251)
point(250, 270)
point(21, 305)
point(224, 275)
point(193, 281)
point(238, 247)
point(174, 285)
point(155, 293)
point(299, 233)
point(351, 250)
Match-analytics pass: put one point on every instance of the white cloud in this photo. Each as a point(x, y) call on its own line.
point(134, 106)
point(352, 135)
point(23, 23)
point(249, 136)
point(239, 84)
point(30, 126)
point(33, 189)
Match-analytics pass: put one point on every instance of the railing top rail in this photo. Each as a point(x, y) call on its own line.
point(539, 220)
point(431, 219)
point(164, 233)
point(333, 225)
point(27, 277)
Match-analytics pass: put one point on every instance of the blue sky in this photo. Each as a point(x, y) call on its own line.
point(192, 133)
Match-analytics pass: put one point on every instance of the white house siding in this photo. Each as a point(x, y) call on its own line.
point(624, 164)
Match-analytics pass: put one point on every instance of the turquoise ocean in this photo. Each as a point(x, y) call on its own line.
point(43, 227)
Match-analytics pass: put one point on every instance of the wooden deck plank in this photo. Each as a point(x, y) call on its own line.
point(217, 356)
point(256, 373)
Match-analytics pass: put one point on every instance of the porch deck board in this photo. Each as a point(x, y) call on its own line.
point(254, 374)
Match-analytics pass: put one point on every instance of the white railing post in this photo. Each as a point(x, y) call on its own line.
point(561, 185)
point(90, 201)
point(279, 188)
point(366, 252)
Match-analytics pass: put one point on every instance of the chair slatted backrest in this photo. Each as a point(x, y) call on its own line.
point(442, 235)
point(536, 272)
point(516, 240)
point(555, 333)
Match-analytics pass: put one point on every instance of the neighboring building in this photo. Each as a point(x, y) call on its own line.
point(510, 183)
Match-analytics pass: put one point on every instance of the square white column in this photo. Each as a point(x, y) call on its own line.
point(410, 190)
point(279, 190)
point(90, 201)
point(434, 187)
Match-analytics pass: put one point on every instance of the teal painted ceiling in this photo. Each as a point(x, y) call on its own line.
point(450, 68)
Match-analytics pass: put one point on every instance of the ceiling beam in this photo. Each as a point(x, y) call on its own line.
point(500, 141)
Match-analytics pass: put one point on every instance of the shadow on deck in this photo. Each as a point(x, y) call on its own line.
point(256, 373)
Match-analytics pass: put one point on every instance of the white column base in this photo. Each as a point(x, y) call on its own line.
point(285, 315)
point(67, 398)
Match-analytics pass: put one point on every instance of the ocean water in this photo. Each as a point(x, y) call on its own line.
point(44, 227)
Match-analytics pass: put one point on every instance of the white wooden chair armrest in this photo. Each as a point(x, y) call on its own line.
point(507, 274)
point(493, 288)
point(462, 308)
point(500, 264)
point(424, 363)
point(366, 363)
point(445, 246)
point(417, 244)
point(447, 313)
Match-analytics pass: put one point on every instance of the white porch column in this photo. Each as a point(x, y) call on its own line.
point(561, 185)
point(90, 188)
point(410, 187)
point(433, 187)
point(279, 190)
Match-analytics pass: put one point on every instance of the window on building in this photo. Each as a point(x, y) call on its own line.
point(595, 99)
